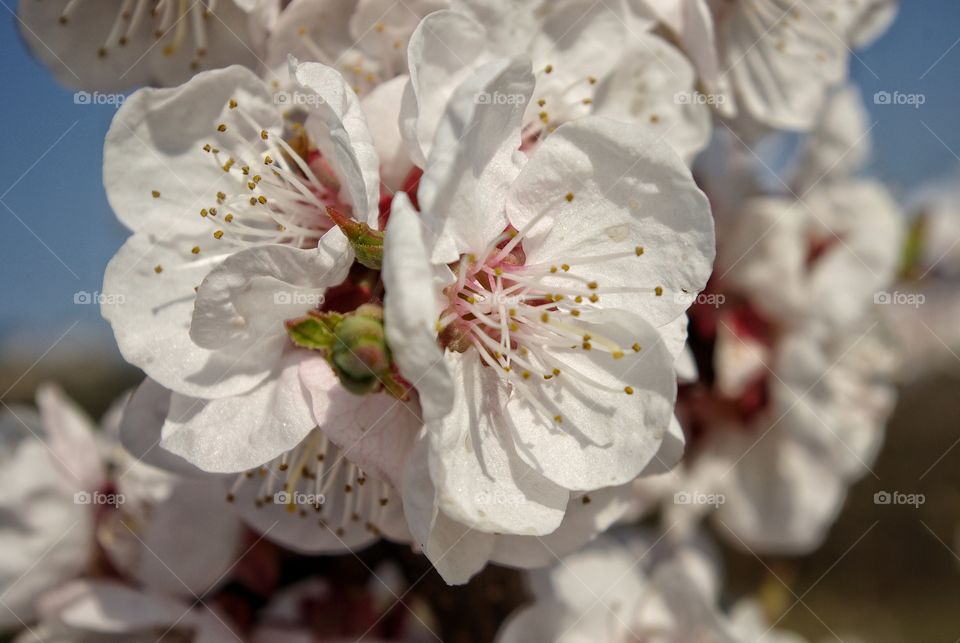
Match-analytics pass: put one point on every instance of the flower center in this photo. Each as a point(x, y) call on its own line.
point(279, 197)
point(316, 477)
point(176, 16)
point(520, 316)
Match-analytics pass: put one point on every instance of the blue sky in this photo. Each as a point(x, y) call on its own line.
point(57, 232)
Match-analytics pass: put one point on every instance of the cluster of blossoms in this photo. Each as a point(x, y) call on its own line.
point(485, 278)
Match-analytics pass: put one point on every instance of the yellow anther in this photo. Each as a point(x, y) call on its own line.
point(228, 165)
point(628, 390)
point(578, 299)
point(558, 419)
point(251, 185)
point(514, 327)
point(221, 197)
point(213, 212)
point(232, 104)
point(569, 197)
point(638, 250)
point(541, 102)
point(587, 101)
point(636, 348)
point(565, 267)
point(556, 371)
point(587, 346)
point(203, 212)
point(267, 160)
point(155, 193)
point(158, 269)
point(218, 234)
point(553, 269)
point(262, 199)
point(206, 147)
point(587, 337)
point(594, 299)
point(544, 317)
point(548, 69)
point(544, 117)
point(592, 285)
point(245, 169)
point(575, 312)
point(658, 291)
point(525, 375)
point(195, 250)
point(228, 218)
point(592, 80)
point(617, 354)
point(222, 127)
point(498, 271)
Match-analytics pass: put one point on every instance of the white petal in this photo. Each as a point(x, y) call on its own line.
point(475, 460)
point(411, 310)
point(70, 436)
point(648, 87)
point(382, 107)
point(242, 432)
point(628, 192)
point(155, 141)
point(474, 159)
point(150, 313)
point(374, 431)
point(443, 51)
point(338, 127)
point(244, 301)
point(605, 436)
point(456, 551)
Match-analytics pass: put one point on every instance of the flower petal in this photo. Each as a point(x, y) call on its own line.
point(602, 188)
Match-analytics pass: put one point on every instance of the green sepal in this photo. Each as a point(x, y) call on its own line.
point(367, 243)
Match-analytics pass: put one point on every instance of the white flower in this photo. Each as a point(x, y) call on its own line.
point(105, 610)
point(773, 60)
point(643, 80)
point(228, 203)
point(620, 591)
point(533, 306)
point(109, 45)
point(800, 380)
point(49, 460)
